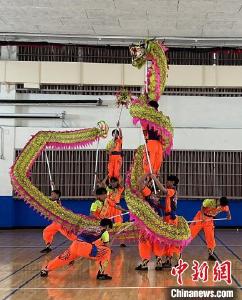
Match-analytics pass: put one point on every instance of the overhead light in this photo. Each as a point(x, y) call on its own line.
point(214, 58)
point(99, 102)
point(65, 102)
point(2, 144)
point(33, 116)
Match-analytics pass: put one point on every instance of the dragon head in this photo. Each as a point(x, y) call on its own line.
point(138, 53)
point(103, 129)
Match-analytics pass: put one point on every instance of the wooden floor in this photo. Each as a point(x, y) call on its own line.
point(21, 261)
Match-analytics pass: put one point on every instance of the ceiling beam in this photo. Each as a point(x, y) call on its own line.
point(171, 41)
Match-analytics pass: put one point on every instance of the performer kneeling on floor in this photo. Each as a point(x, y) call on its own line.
point(204, 220)
point(91, 243)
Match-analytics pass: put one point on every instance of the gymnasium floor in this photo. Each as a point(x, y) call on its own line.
point(21, 261)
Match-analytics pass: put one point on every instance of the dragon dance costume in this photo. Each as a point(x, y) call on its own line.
point(146, 222)
point(91, 244)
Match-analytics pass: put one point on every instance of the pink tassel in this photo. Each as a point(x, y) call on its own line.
point(154, 237)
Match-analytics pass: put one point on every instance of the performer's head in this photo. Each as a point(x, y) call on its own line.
point(154, 104)
point(113, 182)
point(172, 181)
point(115, 133)
point(223, 201)
point(106, 223)
point(55, 195)
point(101, 194)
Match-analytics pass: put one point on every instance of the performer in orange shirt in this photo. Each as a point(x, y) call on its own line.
point(50, 231)
point(170, 252)
point(115, 154)
point(111, 207)
point(154, 146)
point(107, 202)
point(97, 209)
point(204, 221)
point(146, 246)
point(115, 190)
point(92, 244)
point(171, 195)
point(146, 188)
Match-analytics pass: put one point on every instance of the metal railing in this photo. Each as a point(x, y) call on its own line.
point(201, 173)
point(71, 89)
point(121, 55)
point(74, 53)
point(203, 91)
point(99, 90)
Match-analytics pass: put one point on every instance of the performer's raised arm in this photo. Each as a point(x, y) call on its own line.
point(120, 130)
point(142, 182)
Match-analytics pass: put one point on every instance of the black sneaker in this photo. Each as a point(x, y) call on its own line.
point(123, 245)
point(158, 267)
point(44, 273)
point(141, 268)
point(174, 261)
point(167, 265)
point(101, 276)
point(46, 250)
point(211, 257)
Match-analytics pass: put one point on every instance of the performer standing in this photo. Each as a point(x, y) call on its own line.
point(105, 205)
point(115, 153)
point(170, 192)
point(92, 244)
point(146, 188)
point(50, 231)
point(146, 246)
point(146, 249)
point(154, 146)
point(97, 207)
point(170, 252)
point(111, 207)
point(204, 220)
point(115, 190)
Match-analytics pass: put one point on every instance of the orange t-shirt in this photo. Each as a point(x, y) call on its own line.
point(118, 145)
point(210, 208)
point(151, 133)
point(97, 208)
point(146, 191)
point(114, 196)
point(169, 195)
